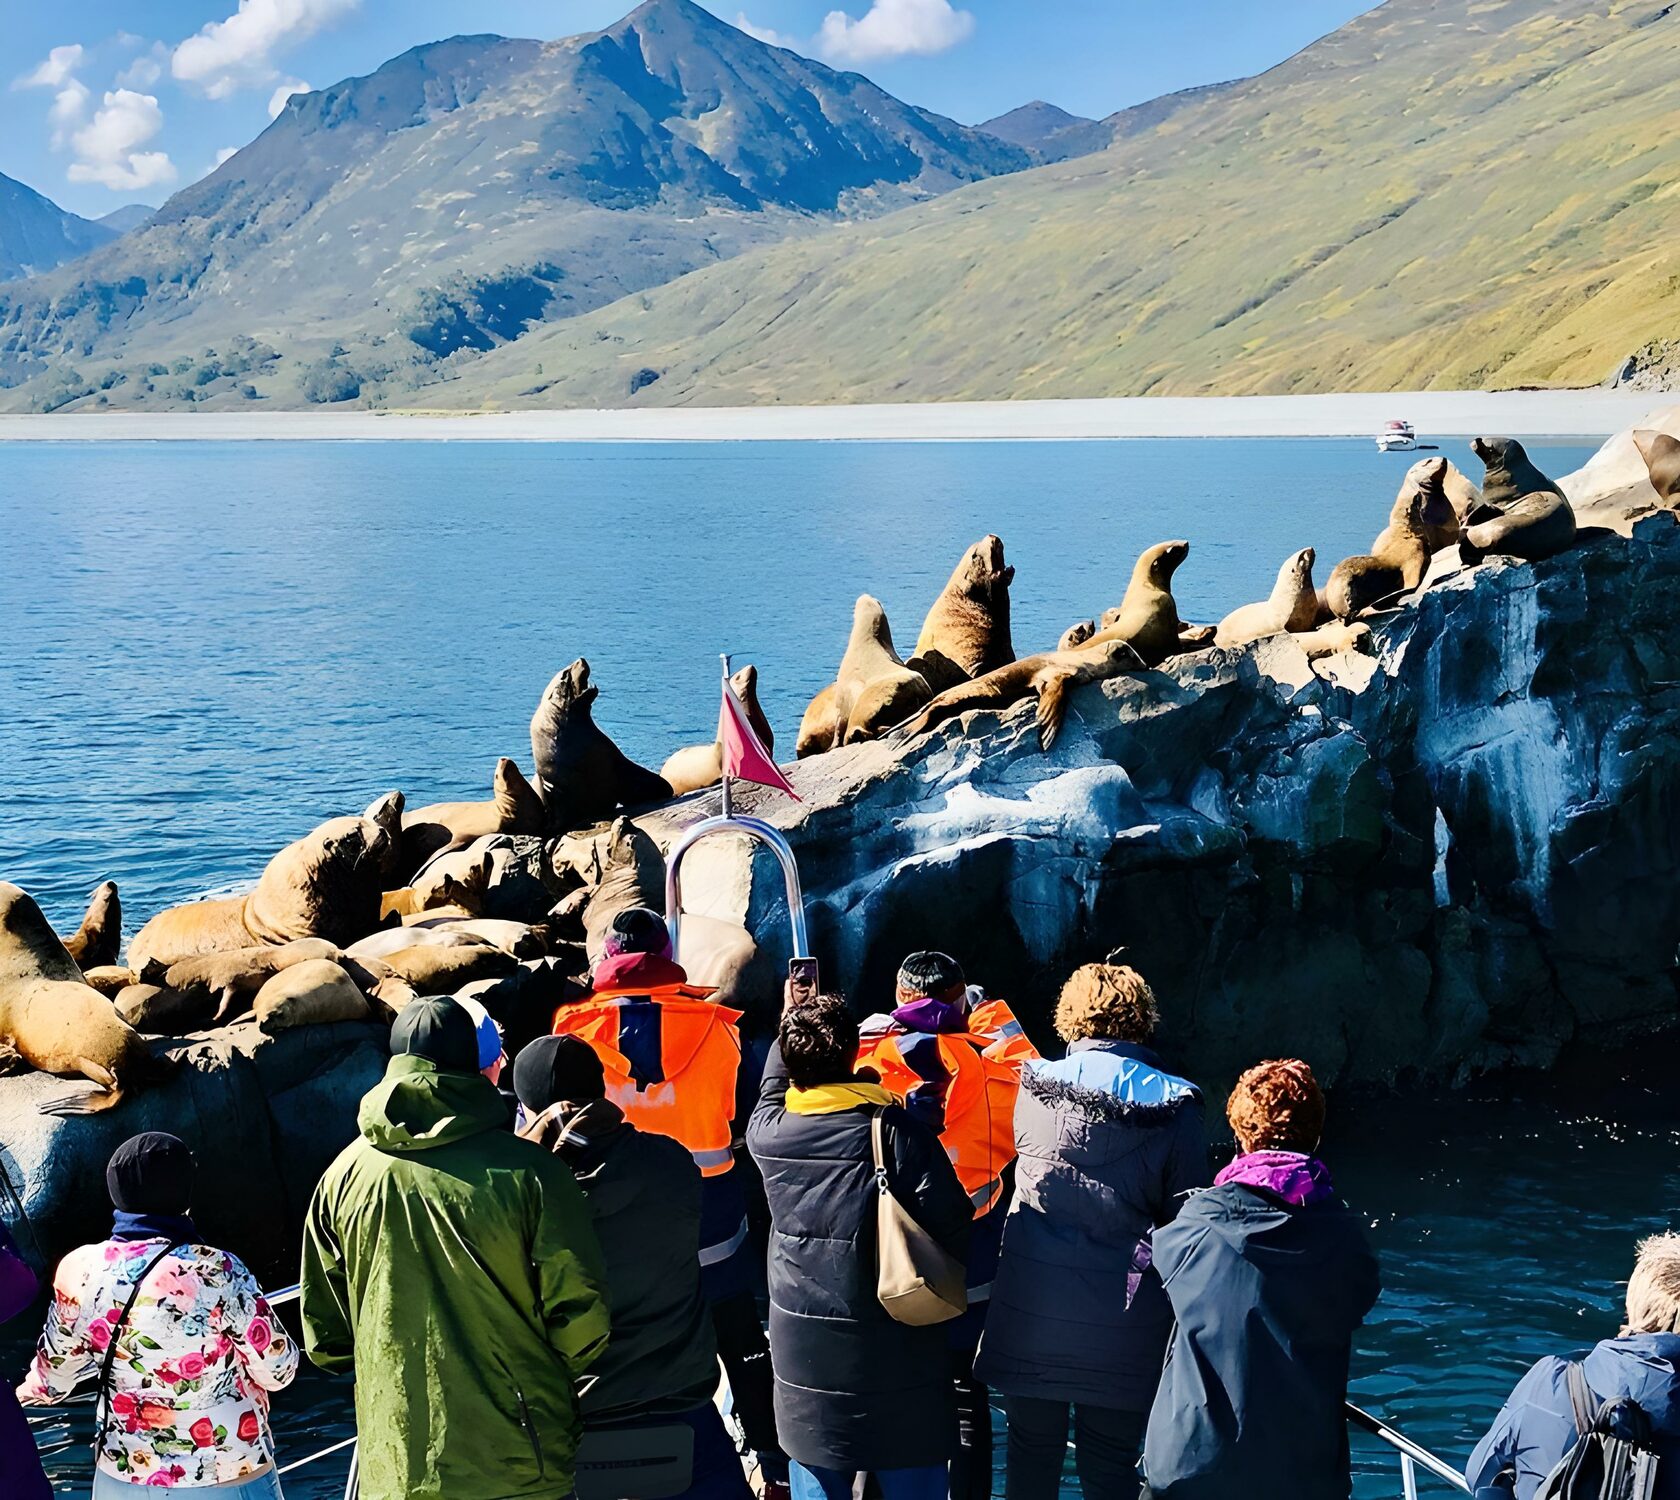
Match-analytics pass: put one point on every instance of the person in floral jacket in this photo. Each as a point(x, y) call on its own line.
point(187, 1401)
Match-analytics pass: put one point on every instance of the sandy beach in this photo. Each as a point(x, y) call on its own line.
point(1436, 414)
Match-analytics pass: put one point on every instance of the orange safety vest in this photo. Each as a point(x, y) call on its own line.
point(671, 1055)
point(983, 1066)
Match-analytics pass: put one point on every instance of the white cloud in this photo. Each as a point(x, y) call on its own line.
point(146, 69)
point(764, 33)
point(69, 108)
point(108, 146)
point(226, 154)
point(277, 100)
point(229, 55)
point(894, 28)
point(55, 69)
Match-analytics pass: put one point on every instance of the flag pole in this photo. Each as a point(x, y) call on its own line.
point(727, 810)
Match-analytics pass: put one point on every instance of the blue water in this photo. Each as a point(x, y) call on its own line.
point(211, 647)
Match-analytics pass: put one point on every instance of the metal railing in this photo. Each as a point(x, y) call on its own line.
point(1412, 1456)
point(753, 828)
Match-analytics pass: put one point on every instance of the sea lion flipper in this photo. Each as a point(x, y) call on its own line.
point(1053, 694)
point(12, 1061)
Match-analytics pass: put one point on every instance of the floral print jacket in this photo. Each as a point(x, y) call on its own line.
point(194, 1364)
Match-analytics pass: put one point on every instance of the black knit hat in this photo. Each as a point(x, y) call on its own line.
point(439, 1030)
point(553, 1068)
point(929, 975)
point(151, 1174)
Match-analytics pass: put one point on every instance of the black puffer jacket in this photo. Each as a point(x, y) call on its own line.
point(1109, 1144)
point(854, 1389)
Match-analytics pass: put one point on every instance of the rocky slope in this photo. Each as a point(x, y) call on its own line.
point(37, 235)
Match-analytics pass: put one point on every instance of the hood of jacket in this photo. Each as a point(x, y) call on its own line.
point(637, 973)
point(584, 1137)
point(1118, 1082)
point(418, 1106)
point(1298, 1179)
point(1645, 1366)
point(1268, 1230)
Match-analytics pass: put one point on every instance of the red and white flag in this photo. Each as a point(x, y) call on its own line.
point(744, 758)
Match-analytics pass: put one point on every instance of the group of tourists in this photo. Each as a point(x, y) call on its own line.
point(534, 1271)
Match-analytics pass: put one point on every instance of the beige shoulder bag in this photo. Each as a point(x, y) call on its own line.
point(917, 1282)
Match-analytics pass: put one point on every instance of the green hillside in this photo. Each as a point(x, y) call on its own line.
point(1444, 193)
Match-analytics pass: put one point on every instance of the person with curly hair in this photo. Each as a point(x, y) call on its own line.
point(1269, 1274)
point(1108, 1144)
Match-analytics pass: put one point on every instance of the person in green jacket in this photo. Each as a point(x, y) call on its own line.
point(455, 1269)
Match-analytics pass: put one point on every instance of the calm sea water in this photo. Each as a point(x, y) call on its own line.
point(211, 647)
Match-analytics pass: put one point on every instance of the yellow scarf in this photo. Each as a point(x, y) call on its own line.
point(836, 1098)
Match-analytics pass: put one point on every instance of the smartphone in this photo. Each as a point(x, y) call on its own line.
point(803, 983)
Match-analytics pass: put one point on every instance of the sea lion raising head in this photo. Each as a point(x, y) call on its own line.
point(1438, 516)
point(582, 776)
point(1147, 618)
point(513, 807)
point(1397, 565)
point(96, 942)
point(1662, 459)
point(701, 766)
point(966, 633)
point(1293, 606)
point(874, 690)
point(1522, 513)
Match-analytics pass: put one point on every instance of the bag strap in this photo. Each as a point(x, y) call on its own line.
point(1581, 1400)
point(102, 1392)
point(878, 1144)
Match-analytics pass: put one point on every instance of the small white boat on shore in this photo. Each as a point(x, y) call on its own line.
point(1397, 437)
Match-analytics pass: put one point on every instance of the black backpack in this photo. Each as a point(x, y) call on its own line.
point(1612, 1458)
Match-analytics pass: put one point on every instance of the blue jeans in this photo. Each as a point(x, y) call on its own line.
point(264, 1486)
point(930, 1483)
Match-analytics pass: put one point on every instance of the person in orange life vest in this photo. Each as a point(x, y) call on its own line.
point(671, 1055)
point(955, 1057)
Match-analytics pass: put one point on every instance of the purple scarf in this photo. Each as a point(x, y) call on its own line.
point(1295, 1178)
point(935, 1016)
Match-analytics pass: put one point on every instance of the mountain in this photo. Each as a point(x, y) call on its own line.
point(36, 234)
point(129, 216)
point(470, 189)
point(1443, 193)
point(1049, 133)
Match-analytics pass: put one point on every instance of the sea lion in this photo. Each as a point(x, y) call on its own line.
point(1293, 606)
point(701, 766)
point(1147, 618)
point(387, 812)
point(1438, 515)
point(1077, 635)
point(1397, 565)
point(816, 727)
point(514, 807)
point(96, 942)
point(389, 940)
point(873, 690)
point(308, 994)
point(54, 1021)
point(154, 1010)
point(108, 979)
point(966, 633)
point(440, 887)
point(1052, 677)
point(1662, 458)
point(582, 776)
point(1523, 514)
point(326, 885)
point(521, 939)
point(524, 882)
point(434, 970)
point(231, 979)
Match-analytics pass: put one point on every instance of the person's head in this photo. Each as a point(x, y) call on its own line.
point(819, 1041)
point(491, 1058)
point(439, 1030)
point(1106, 1002)
point(930, 976)
point(151, 1174)
point(1277, 1106)
point(557, 1070)
point(1653, 1294)
point(637, 930)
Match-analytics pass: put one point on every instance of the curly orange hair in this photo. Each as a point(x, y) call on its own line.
point(1277, 1106)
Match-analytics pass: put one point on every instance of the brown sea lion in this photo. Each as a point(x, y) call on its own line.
point(326, 885)
point(108, 979)
point(1523, 514)
point(230, 980)
point(1293, 606)
point(96, 943)
point(816, 727)
point(1438, 516)
point(1052, 677)
point(1357, 583)
point(873, 690)
point(966, 633)
point(701, 766)
point(54, 1021)
point(308, 994)
point(1662, 458)
point(582, 776)
point(387, 812)
point(514, 807)
point(154, 1010)
point(1077, 635)
point(440, 886)
point(1147, 618)
point(434, 970)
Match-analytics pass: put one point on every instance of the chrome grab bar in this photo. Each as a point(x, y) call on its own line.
point(753, 828)
point(1412, 1456)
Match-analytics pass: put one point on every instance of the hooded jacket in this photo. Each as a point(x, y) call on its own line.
point(644, 1196)
point(1536, 1426)
point(1109, 1144)
point(454, 1267)
point(20, 1462)
point(1267, 1291)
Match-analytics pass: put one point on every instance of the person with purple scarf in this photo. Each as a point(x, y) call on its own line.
point(1269, 1274)
point(21, 1477)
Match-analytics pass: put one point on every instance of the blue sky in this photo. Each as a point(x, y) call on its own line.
point(106, 102)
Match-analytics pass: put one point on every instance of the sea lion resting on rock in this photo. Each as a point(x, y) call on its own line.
point(156, 1010)
point(1438, 516)
point(966, 633)
point(514, 807)
point(1662, 459)
point(582, 776)
point(1293, 606)
point(1147, 618)
point(1077, 635)
point(1051, 676)
point(701, 766)
point(96, 942)
point(54, 1021)
point(816, 726)
point(229, 980)
point(308, 994)
point(1523, 513)
point(873, 690)
point(1397, 565)
point(326, 885)
point(440, 887)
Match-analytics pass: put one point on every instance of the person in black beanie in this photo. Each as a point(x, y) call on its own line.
point(660, 1366)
